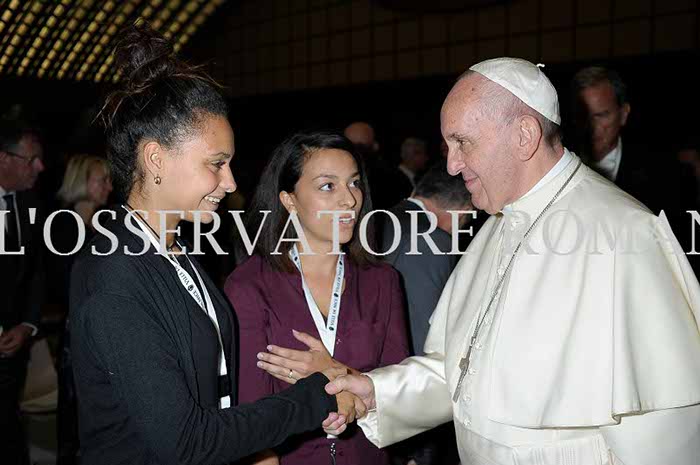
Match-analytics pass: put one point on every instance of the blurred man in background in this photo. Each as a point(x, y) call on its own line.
point(387, 185)
point(21, 161)
point(414, 158)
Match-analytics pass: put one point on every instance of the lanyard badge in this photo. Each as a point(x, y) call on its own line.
point(205, 302)
point(326, 329)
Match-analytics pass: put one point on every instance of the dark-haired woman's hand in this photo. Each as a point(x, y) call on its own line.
point(350, 407)
point(289, 365)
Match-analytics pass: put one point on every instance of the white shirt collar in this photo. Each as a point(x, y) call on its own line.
point(409, 174)
point(3, 192)
point(3, 204)
point(609, 165)
point(551, 174)
point(418, 202)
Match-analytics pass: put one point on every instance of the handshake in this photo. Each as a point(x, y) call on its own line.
point(354, 394)
point(354, 391)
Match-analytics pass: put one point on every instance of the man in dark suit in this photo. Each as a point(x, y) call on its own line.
point(658, 180)
point(20, 299)
point(424, 275)
point(387, 185)
point(414, 159)
point(601, 111)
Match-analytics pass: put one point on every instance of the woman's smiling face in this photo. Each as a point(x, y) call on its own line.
point(330, 182)
point(197, 175)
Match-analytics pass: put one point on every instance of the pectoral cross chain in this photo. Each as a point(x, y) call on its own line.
point(464, 367)
point(464, 362)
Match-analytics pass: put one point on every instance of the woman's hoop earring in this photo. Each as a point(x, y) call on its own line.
point(157, 180)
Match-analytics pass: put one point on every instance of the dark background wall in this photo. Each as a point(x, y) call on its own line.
point(309, 64)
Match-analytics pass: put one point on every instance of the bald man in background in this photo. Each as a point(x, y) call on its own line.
point(362, 134)
point(388, 186)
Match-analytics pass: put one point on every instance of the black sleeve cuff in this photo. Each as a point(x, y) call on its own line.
point(314, 386)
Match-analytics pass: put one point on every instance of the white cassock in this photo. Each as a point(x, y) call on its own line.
point(591, 355)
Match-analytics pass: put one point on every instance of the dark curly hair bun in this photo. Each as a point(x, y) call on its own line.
point(144, 56)
point(159, 98)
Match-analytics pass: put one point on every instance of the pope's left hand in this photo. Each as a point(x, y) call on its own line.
point(290, 365)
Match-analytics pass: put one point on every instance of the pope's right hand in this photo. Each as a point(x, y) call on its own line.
point(360, 385)
point(362, 388)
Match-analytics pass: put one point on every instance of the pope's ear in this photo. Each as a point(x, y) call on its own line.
point(529, 134)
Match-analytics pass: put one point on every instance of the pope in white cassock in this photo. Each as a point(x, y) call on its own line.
point(568, 333)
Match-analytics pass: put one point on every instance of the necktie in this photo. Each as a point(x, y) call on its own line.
point(11, 232)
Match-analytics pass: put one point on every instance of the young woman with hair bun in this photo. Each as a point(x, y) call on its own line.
point(154, 341)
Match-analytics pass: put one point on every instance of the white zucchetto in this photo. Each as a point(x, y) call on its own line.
point(526, 81)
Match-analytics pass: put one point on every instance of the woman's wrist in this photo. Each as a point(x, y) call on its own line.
point(349, 370)
point(339, 366)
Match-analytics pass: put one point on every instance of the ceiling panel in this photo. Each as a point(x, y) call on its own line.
point(74, 39)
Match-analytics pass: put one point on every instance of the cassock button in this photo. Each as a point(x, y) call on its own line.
point(478, 345)
point(468, 399)
point(472, 371)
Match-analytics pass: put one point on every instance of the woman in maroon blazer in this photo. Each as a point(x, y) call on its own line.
point(348, 303)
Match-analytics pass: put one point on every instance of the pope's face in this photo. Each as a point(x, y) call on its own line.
point(601, 118)
point(477, 146)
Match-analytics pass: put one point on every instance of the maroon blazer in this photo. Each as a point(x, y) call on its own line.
point(371, 333)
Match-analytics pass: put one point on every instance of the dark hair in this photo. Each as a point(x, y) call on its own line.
point(12, 131)
point(594, 75)
point(282, 173)
point(160, 99)
point(446, 190)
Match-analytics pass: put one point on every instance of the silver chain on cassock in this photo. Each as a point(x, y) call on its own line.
point(465, 361)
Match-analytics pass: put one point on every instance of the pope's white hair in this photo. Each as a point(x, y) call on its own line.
point(502, 106)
